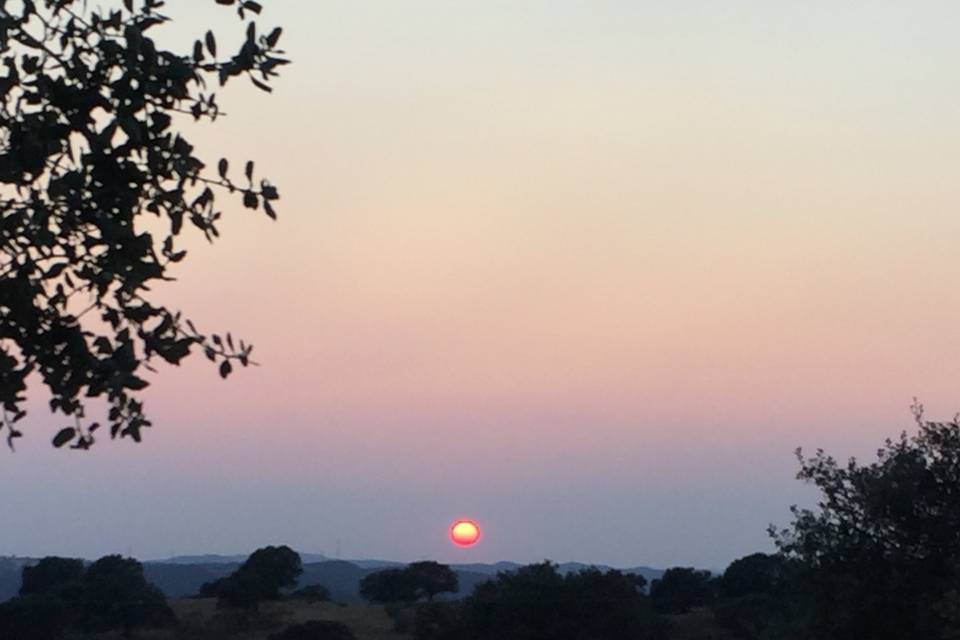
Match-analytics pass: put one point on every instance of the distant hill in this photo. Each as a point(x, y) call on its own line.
point(182, 576)
point(375, 564)
point(10, 571)
point(342, 578)
point(210, 558)
point(487, 569)
point(180, 580)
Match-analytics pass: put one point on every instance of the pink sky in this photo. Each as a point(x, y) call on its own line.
point(585, 272)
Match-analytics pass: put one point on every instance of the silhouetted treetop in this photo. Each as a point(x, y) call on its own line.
point(51, 576)
point(882, 547)
point(756, 573)
point(431, 578)
point(389, 585)
point(681, 589)
point(61, 598)
point(537, 601)
point(410, 583)
point(261, 577)
point(902, 508)
point(89, 151)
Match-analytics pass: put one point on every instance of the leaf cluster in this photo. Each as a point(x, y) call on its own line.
point(97, 187)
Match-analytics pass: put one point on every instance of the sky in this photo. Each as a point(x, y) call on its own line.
point(587, 272)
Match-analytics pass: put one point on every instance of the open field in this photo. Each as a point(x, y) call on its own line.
point(201, 620)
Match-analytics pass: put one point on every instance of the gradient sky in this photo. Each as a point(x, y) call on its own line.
point(587, 272)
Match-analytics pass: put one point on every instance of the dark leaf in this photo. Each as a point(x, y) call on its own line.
point(64, 436)
point(211, 44)
point(274, 37)
point(261, 85)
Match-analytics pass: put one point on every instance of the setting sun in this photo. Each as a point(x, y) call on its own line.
point(465, 533)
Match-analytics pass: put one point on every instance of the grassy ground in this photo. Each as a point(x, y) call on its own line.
point(201, 620)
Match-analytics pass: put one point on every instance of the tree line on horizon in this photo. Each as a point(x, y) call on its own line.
point(878, 558)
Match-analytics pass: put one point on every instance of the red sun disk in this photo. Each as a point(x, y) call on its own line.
point(465, 533)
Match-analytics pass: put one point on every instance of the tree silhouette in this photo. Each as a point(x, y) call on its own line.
point(261, 577)
point(88, 151)
point(882, 549)
point(51, 576)
point(760, 595)
point(537, 602)
point(410, 583)
point(431, 578)
point(48, 600)
point(35, 617)
point(115, 595)
point(389, 585)
point(60, 595)
point(680, 589)
point(754, 574)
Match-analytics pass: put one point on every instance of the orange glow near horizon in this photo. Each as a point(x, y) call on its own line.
point(465, 533)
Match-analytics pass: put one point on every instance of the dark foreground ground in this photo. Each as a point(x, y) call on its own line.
point(202, 620)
